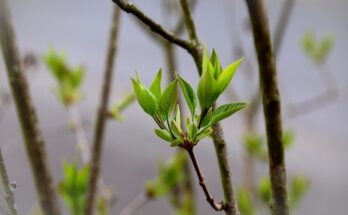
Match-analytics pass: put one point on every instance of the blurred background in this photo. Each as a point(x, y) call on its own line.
point(131, 153)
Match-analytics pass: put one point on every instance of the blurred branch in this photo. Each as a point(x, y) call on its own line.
point(80, 133)
point(135, 204)
point(96, 154)
point(271, 105)
point(26, 113)
point(9, 194)
point(282, 24)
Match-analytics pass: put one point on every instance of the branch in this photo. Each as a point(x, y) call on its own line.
point(9, 197)
point(196, 51)
point(271, 105)
point(80, 134)
point(282, 24)
point(95, 162)
point(230, 205)
point(216, 206)
point(154, 26)
point(34, 143)
point(135, 204)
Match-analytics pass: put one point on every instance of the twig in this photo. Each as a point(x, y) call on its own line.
point(195, 48)
point(34, 143)
point(9, 194)
point(81, 137)
point(135, 204)
point(96, 153)
point(154, 26)
point(230, 206)
point(282, 24)
point(216, 206)
point(271, 105)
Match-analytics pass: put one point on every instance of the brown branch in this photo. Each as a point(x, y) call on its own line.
point(230, 206)
point(9, 194)
point(216, 206)
point(271, 105)
point(154, 26)
point(34, 143)
point(95, 163)
point(195, 48)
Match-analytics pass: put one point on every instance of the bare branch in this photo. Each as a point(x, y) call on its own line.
point(80, 134)
point(34, 143)
point(9, 194)
point(135, 204)
point(96, 153)
point(282, 24)
point(271, 105)
point(216, 206)
point(154, 26)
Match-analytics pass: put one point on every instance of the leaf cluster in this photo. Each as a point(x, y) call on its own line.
point(162, 105)
point(317, 50)
point(73, 188)
point(69, 79)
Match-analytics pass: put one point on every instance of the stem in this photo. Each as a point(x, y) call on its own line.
point(9, 194)
point(81, 138)
point(155, 27)
point(282, 24)
point(95, 162)
point(196, 51)
point(135, 204)
point(271, 105)
point(216, 206)
point(34, 143)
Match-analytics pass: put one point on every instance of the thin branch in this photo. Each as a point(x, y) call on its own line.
point(96, 153)
point(34, 143)
point(282, 24)
point(154, 26)
point(196, 51)
point(216, 206)
point(230, 206)
point(9, 194)
point(187, 14)
point(81, 137)
point(135, 204)
point(271, 105)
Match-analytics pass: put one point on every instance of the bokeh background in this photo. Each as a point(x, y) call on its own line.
point(80, 29)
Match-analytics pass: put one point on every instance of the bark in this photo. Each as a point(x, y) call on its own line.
point(271, 105)
point(27, 117)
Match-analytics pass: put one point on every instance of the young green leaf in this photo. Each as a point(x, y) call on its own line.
point(175, 128)
point(203, 134)
point(145, 98)
point(214, 59)
point(164, 134)
point(178, 116)
point(189, 95)
point(225, 111)
point(168, 100)
point(227, 75)
point(207, 119)
point(155, 87)
point(208, 89)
